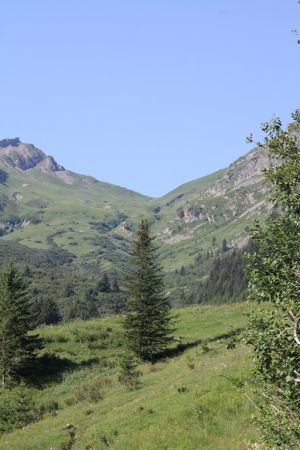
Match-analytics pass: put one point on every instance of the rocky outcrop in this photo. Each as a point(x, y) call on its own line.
point(50, 165)
point(10, 142)
point(248, 168)
point(246, 171)
point(22, 156)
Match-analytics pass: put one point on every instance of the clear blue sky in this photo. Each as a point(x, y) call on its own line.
point(146, 94)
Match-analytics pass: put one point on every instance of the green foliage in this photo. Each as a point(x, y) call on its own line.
point(224, 246)
point(148, 321)
point(274, 277)
point(129, 374)
point(45, 311)
point(227, 280)
point(17, 409)
point(91, 392)
point(57, 289)
point(214, 278)
point(18, 347)
point(104, 284)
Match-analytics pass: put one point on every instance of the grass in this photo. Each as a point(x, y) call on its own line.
point(193, 399)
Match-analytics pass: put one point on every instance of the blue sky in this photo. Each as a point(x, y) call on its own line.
point(146, 94)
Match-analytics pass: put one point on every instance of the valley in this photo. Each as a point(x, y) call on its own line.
point(42, 205)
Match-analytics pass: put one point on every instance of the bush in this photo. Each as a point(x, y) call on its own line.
point(129, 375)
point(92, 392)
point(50, 406)
point(17, 409)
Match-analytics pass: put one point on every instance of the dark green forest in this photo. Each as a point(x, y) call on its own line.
point(60, 291)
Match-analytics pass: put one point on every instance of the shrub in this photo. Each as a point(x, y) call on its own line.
point(129, 375)
point(92, 392)
point(16, 409)
point(50, 406)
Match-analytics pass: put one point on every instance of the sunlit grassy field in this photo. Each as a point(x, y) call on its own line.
point(192, 399)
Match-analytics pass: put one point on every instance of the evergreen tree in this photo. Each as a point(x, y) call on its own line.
point(45, 312)
point(17, 347)
point(115, 285)
point(85, 307)
point(224, 247)
point(129, 373)
point(182, 271)
point(104, 284)
point(227, 279)
point(148, 323)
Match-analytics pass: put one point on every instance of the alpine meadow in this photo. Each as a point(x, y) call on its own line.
point(150, 322)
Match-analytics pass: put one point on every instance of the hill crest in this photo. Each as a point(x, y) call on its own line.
point(17, 154)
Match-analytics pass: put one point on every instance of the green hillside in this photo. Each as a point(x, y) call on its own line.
point(193, 399)
point(42, 204)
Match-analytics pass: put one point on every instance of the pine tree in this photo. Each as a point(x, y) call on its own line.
point(104, 284)
point(115, 285)
point(129, 374)
point(148, 323)
point(224, 247)
point(17, 348)
point(45, 312)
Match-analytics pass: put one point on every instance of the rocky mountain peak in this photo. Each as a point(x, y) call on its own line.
point(15, 153)
point(10, 142)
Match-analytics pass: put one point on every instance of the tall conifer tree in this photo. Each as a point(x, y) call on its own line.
point(17, 348)
point(148, 323)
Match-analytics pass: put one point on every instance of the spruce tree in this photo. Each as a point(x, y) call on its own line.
point(148, 323)
point(129, 374)
point(104, 284)
point(17, 348)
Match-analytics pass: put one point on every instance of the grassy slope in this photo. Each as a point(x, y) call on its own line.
point(211, 413)
point(67, 210)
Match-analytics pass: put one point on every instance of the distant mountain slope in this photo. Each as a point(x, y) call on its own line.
point(221, 205)
point(42, 204)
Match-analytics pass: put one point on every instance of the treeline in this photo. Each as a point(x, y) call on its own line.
point(216, 276)
point(58, 290)
point(227, 280)
point(102, 298)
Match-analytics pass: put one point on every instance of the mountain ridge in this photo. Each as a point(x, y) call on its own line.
point(43, 204)
point(29, 156)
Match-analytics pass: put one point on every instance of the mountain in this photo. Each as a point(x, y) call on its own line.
point(44, 205)
point(198, 215)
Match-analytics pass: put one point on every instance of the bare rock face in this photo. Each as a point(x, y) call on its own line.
point(50, 165)
point(15, 153)
point(12, 142)
point(248, 168)
point(22, 157)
